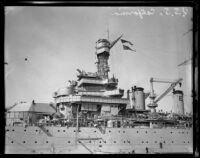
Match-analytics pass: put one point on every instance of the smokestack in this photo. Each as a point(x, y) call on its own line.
point(128, 91)
point(178, 106)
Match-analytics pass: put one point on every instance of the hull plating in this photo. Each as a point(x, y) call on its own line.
point(91, 140)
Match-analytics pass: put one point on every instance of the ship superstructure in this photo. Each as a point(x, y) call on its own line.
point(92, 116)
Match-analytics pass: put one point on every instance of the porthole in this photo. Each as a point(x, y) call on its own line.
point(154, 131)
point(58, 130)
point(69, 142)
point(172, 141)
point(7, 130)
point(47, 130)
point(142, 141)
point(163, 141)
point(100, 142)
point(35, 141)
point(24, 141)
point(109, 131)
point(188, 142)
point(74, 130)
point(36, 130)
point(129, 142)
point(104, 141)
point(137, 131)
point(184, 142)
point(25, 130)
point(182, 132)
point(119, 131)
point(12, 142)
point(147, 142)
point(155, 141)
point(47, 142)
point(90, 141)
point(114, 141)
point(171, 132)
point(100, 145)
point(95, 131)
point(13, 130)
point(124, 141)
point(146, 132)
point(123, 131)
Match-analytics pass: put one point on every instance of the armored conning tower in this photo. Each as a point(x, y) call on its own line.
point(102, 53)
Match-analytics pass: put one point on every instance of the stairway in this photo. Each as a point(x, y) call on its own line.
point(44, 130)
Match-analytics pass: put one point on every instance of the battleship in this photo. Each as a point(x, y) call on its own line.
point(91, 115)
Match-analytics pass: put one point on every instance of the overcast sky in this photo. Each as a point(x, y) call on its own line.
point(58, 40)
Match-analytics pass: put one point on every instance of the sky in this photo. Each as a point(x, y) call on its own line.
point(58, 40)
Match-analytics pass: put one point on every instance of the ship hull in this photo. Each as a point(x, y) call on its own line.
point(48, 140)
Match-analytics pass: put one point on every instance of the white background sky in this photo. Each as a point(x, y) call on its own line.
point(58, 40)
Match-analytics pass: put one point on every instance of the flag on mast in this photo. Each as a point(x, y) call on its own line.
point(128, 48)
point(127, 45)
point(125, 41)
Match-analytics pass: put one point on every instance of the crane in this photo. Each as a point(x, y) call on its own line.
point(153, 100)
